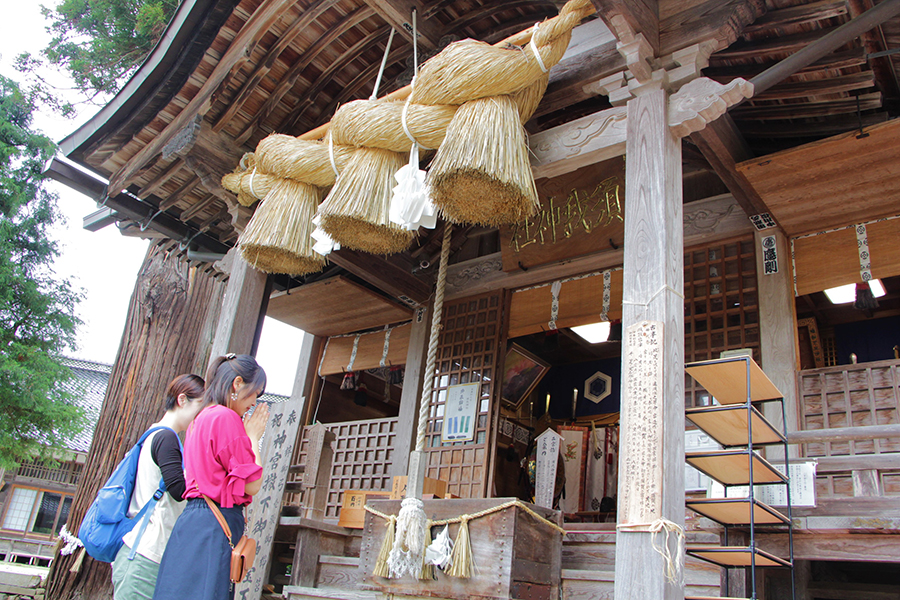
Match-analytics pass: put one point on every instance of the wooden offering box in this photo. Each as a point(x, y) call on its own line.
point(514, 555)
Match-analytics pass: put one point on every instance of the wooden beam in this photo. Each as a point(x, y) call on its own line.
point(653, 284)
point(579, 143)
point(700, 20)
point(287, 81)
point(398, 14)
point(826, 44)
point(385, 276)
point(160, 179)
point(844, 434)
point(572, 80)
point(175, 197)
point(239, 51)
point(304, 19)
point(873, 41)
point(197, 207)
point(798, 15)
point(819, 87)
point(818, 130)
point(723, 146)
point(845, 59)
point(626, 18)
point(808, 110)
point(761, 49)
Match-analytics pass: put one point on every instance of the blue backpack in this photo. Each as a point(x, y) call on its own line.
point(106, 521)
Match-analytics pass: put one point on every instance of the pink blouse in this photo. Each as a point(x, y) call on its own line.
point(218, 458)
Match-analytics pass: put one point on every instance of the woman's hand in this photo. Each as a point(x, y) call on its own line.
point(255, 425)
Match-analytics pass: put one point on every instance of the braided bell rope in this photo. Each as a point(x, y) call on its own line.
point(428, 382)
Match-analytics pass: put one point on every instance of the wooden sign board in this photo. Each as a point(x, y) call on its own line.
point(547, 459)
point(580, 213)
point(279, 440)
point(641, 466)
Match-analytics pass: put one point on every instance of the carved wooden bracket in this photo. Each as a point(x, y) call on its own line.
point(582, 142)
point(702, 101)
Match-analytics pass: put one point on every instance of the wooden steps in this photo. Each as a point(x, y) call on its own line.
point(296, 592)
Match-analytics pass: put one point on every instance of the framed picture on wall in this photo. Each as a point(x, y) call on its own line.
point(522, 371)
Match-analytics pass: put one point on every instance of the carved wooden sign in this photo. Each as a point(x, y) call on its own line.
point(640, 481)
point(580, 213)
point(547, 460)
point(277, 446)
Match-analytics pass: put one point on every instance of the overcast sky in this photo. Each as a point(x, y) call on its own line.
point(104, 263)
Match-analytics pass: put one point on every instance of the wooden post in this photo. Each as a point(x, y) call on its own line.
point(412, 385)
point(242, 309)
point(653, 292)
point(165, 318)
point(777, 329)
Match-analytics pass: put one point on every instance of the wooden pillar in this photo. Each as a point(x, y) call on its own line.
point(408, 419)
point(778, 329)
point(242, 310)
point(653, 291)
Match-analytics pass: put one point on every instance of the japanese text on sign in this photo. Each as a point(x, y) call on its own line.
point(557, 220)
point(642, 423)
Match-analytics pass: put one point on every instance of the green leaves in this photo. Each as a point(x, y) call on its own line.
point(37, 308)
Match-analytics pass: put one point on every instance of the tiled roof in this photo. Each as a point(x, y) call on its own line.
point(88, 386)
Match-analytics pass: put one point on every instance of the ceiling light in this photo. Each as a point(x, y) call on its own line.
point(846, 294)
point(593, 333)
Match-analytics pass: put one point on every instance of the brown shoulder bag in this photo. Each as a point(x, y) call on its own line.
point(242, 553)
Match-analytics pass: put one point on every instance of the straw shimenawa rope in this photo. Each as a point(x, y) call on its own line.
point(462, 558)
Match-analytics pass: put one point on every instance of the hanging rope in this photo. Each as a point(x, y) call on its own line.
point(409, 542)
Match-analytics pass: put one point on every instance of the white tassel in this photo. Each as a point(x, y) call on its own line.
point(411, 207)
point(409, 541)
point(438, 553)
point(324, 244)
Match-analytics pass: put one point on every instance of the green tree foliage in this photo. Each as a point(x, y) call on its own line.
point(99, 43)
point(37, 309)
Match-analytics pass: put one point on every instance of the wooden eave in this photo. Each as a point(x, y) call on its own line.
point(285, 67)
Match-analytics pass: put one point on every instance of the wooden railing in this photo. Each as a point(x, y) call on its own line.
point(850, 423)
point(65, 475)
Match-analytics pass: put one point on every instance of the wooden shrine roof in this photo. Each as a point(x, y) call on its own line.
point(230, 72)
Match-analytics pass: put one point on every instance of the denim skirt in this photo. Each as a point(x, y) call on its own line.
point(197, 560)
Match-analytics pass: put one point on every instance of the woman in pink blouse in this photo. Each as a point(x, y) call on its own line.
point(222, 462)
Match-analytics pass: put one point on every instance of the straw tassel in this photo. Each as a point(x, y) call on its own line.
point(427, 573)
point(381, 563)
point(277, 238)
point(461, 558)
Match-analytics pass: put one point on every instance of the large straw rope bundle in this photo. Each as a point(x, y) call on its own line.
point(277, 238)
point(356, 211)
point(378, 123)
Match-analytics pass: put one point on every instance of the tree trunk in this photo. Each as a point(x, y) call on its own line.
point(162, 339)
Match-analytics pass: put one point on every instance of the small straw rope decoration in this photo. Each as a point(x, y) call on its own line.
point(355, 213)
point(277, 238)
point(250, 186)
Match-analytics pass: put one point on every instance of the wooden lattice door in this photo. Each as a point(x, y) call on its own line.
point(468, 351)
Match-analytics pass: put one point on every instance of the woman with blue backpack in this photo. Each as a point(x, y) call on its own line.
point(223, 471)
point(137, 562)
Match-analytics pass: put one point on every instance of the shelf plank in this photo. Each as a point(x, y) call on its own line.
point(736, 511)
point(732, 467)
point(726, 380)
point(728, 425)
point(736, 556)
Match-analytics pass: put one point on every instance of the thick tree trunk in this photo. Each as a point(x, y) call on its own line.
point(162, 338)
